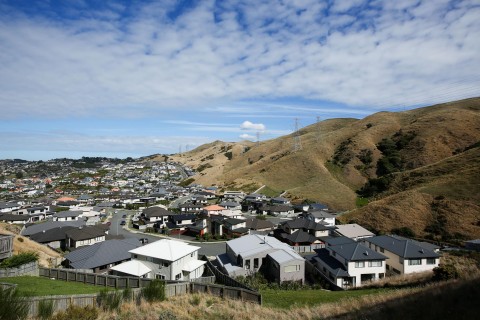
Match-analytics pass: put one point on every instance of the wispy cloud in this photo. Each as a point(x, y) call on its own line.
point(362, 53)
point(247, 136)
point(247, 125)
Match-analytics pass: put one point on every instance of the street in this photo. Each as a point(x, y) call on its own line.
point(206, 248)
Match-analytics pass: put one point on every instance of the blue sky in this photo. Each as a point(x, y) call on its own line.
point(134, 78)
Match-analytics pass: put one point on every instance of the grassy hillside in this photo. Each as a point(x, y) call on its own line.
point(424, 153)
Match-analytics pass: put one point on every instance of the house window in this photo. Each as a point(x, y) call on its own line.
point(293, 268)
point(247, 264)
point(359, 264)
point(382, 250)
point(178, 276)
point(431, 261)
point(255, 263)
point(414, 262)
point(374, 263)
point(400, 260)
point(160, 276)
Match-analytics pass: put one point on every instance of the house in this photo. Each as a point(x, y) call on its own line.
point(231, 205)
point(163, 259)
point(44, 226)
point(156, 215)
point(213, 209)
point(349, 264)
point(234, 226)
point(190, 208)
point(16, 218)
point(258, 226)
point(254, 197)
point(279, 200)
point(179, 223)
point(67, 215)
point(6, 246)
point(320, 216)
point(317, 230)
point(55, 238)
point(278, 210)
point(84, 236)
point(404, 255)
point(100, 257)
point(246, 255)
point(353, 231)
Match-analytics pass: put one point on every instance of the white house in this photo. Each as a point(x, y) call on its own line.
point(163, 259)
point(404, 255)
point(349, 264)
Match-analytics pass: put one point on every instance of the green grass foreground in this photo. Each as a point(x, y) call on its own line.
point(288, 298)
point(39, 286)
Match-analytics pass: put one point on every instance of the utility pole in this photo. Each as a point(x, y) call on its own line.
point(297, 145)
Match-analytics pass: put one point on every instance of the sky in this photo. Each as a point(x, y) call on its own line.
point(135, 78)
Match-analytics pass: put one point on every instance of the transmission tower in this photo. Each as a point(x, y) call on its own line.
point(318, 129)
point(297, 144)
point(258, 138)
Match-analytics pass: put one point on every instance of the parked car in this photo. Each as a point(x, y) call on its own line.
point(143, 240)
point(123, 223)
point(124, 216)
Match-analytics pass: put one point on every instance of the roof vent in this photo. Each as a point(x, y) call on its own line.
point(366, 253)
point(421, 251)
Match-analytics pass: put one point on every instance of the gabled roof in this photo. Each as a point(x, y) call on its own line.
point(282, 256)
point(403, 247)
point(84, 233)
point(67, 214)
point(156, 212)
point(55, 234)
point(39, 227)
point(255, 244)
point(320, 214)
point(214, 207)
point(102, 253)
point(134, 267)
point(334, 266)
point(301, 223)
point(256, 224)
point(353, 231)
point(233, 221)
point(333, 241)
point(299, 236)
point(356, 252)
point(165, 249)
point(181, 217)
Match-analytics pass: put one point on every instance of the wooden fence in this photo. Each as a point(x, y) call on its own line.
point(30, 269)
point(61, 303)
point(225, 279)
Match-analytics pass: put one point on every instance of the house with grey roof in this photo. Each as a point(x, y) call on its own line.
point(102, 256)
point(303, 232)
point(156, 215)
point(320, 216)
point(84, 236)
point(404, 255)
point(259, 226)
point(55, 238)
point(67, 215)
point(47, 225)
point(246, 255)
point(349, 264)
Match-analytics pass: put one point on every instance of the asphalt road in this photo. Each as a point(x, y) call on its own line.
point(206, 248)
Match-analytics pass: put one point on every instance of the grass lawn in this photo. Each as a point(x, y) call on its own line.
point(288, 298)
point(40, 286)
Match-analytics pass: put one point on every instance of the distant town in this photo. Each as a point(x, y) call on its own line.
point(156, 225)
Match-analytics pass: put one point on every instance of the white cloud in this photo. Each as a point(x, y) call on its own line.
point(247, 125)
point(383, 57)
point(246, 136)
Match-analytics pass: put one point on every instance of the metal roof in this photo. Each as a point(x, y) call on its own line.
point(403, 247)
point(166, 249)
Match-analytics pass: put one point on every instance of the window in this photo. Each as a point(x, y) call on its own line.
point(359, 264)
point(414, 262)
point(293, 268)
point(400, 260)
point(255, 263)
point(431, 261)
point(160, 276)
point(178, 276)
point(381, 250)
point(374, 263)
point(247, 264)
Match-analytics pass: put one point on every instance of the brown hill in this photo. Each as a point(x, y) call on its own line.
point(338, 156)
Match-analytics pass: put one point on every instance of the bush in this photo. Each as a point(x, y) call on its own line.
point(109, 300)
point(167, 315)
point(19, 259)
point(45, 309)
point(77, 313)
point(445, 272)
point(404, 231)
point(13, 306)
point(155, 291)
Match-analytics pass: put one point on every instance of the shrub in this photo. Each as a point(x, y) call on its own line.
point(109, 300)
point(13, 306)
point(404, 231)
point(195, 300)
point(77, 313)
point(167, 315)
point(445, 272)
point(155, 291)
point(19, 259)
point(45, 309)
